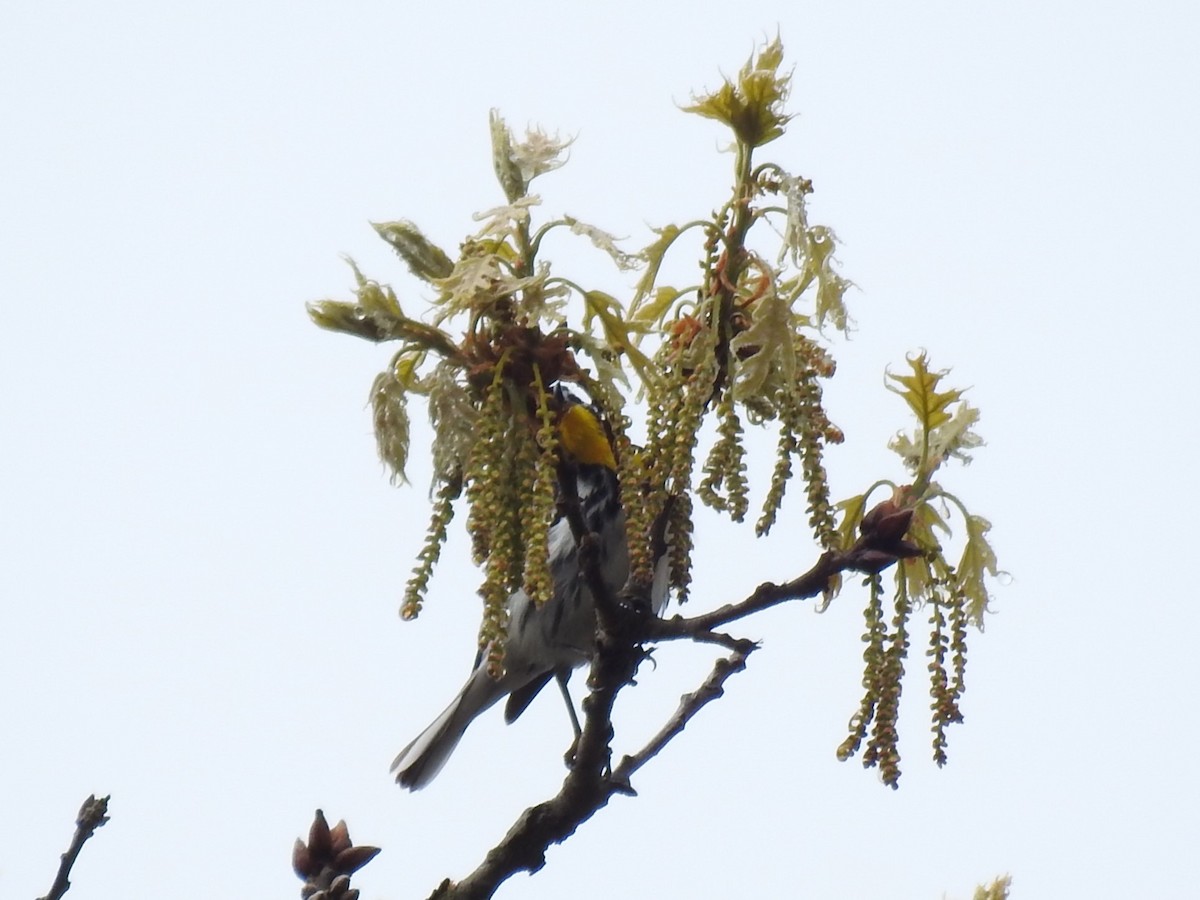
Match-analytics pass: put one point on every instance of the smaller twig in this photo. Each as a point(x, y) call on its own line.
point(689, 705)
point(621, 632)
point(767, 594)
point(720, 638)
point(92, 815)
point(872, 552)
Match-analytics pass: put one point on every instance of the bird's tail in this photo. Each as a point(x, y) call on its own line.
point(421, 760)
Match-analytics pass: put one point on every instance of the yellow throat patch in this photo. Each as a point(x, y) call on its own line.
point(583, 436)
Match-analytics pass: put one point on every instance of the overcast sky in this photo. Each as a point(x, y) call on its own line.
point(202, 557)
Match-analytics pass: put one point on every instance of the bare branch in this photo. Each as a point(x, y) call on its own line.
point(689, 706)
point(622, 629)
point(587, 787)
point(880, 546)
point(92, 815)
point(767, 594)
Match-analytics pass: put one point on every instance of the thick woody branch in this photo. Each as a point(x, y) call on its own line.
point(622, 630)
point(586, 789)
point(92, 815)
point(590, 784)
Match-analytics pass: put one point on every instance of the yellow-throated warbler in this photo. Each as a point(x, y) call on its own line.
point(559, 636)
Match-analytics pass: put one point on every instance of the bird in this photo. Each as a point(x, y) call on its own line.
point(552, 640)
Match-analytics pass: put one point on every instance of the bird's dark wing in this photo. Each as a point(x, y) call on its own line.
point(520, 699)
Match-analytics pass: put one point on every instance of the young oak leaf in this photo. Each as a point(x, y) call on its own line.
point(852, 509)
point(606, 308)
point(653, 255)
point(602, 240)
point(389, 406)
point(978, 560)
point(920, 392)
point(652, 313)
point(539, 153)
point(810, 250)
point(767, 340)
point(753, 107)
point(831, 287)
point(606, 360)
point(954, 438)
point(908, 450)
point(517, 163)
point(424, 258)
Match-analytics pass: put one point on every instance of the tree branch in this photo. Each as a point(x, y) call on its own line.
point(880, 546)
point(689, 705)
point(622, 628)
point(587, 787)
point(92, 815)
point(766, 595)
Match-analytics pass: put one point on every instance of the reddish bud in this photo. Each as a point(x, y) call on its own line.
point(320, 846)
point(339, 837)
point(886, 524)
point(352, 859)
point(301, 861)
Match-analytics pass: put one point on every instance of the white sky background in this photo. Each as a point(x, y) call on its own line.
point(202, 558)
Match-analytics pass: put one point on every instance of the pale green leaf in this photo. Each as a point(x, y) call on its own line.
point(606, 242)
point(539, 153)
point(810, 249)
point(955, 437)
point(349, 318)
point(502, 222)
point(930, 515)
point(831, 287)
point(653, 255)
point(607, 309)
point(920, 392)
point(375, 299)
point(508, 173)
point(795, 230)
point(652, 313)
point(978, 560)
point(852, 509)
point(424, 258)
point(390, 408)
point(908, 449)
point(767, 342)
point(478, 270)
point(606, 360)
point(919, 579)
point(997, 890)
point(405, 367)
point(753, 107)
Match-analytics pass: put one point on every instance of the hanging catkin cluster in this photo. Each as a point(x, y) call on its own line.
point(744, 346)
